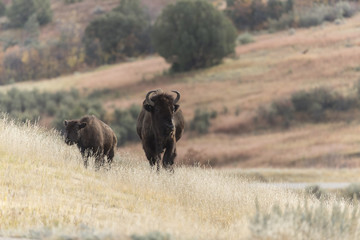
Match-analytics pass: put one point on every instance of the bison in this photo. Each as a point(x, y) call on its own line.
point(93, 137)
point(160, 125)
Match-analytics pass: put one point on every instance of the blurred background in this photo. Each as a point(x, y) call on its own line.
point(263, 83)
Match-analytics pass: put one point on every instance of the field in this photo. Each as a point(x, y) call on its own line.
point(272, 68)
point(46, 193)
point(224, 181)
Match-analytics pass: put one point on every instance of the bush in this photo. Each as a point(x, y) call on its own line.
point(124, 124)
point(20, 11)
point(245, 38)
point(316, 191)
point(275, 8)
point(192, 35)
point(72, 1)
point(41, 61)
point(286, 21)
point(33, 105)
point(201, 121)
point(311, 17)
point(124, 32)
point(2, 9)
point(347, 9)
point(315, 105)
point(352, 192)
point(152, 236)
point(301, 221)
point(43, 11)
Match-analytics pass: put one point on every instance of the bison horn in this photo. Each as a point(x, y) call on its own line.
point(177, 96)
point(148, 98)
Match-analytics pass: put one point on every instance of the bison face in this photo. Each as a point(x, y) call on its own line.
point(72, 131)
point(162, 108)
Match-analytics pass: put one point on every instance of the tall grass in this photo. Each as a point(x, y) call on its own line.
point(45, 192)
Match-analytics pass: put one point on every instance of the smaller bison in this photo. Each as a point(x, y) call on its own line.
point(160, 125)
point(93, 137)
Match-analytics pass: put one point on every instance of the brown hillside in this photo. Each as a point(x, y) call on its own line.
point(271, 68)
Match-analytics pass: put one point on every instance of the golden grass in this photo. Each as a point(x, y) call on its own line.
point(43, 185)
point(46, 192)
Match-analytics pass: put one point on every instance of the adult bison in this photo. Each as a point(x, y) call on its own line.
point(93, 137)
point(160, 125)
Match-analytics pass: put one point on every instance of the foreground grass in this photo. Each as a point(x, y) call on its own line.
point(46, 193)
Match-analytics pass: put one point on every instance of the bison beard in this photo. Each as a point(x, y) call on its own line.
point(160, 125)
point(93, 137)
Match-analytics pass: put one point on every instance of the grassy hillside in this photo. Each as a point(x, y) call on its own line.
point(46, 193)
point(272, 68)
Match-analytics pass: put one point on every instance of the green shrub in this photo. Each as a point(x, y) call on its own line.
point(319, 221)
point(275, 8)
point(347, 9)
point(316, 191)
point(192, 35)
point(43, 11)
point(72, 1)
point(34, 105)
point(285, 21)
point(20, 11)
point(124, 32)
point(311, 17)
point(245, 38)
point(201, 121)
point(2, 9)
point(152, 236)
point(124, 124)
point(315, 105)
point(352, 192)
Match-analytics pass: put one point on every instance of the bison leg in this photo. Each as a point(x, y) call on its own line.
point(110, 157)
point(169, 157)
point(99, 161)
point(85, 156)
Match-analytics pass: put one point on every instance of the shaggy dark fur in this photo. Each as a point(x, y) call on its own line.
point(93, 137)
point(159, 127)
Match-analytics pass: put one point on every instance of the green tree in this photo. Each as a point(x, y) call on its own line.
point(289, 6)
point(43, 11)
point(275, 8)
point(193, 34)
point(20, 11)
point(2, 9)
point(259, 14)
point(32, 30)
point(121, 33)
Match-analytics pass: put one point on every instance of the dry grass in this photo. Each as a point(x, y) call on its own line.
point(44, 186)
point(46, 192)
point(271, 68)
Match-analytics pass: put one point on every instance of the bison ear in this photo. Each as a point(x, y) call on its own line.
point(66, 123)
point(148, 107)
point(82, 125)
point(176, 107)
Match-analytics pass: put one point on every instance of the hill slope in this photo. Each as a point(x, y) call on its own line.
point(272, 68)
point(46, 193)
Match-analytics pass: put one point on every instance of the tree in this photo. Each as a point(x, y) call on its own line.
point(121, 33)
point(43, 11)
point(31, 30)
point(240, 12)
point(20, 11)
point(275, 8)
point(2, 9)
point(259, 14)
point(193, 34)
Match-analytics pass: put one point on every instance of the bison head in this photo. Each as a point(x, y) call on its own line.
point(72, 131)
point(162, 107)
